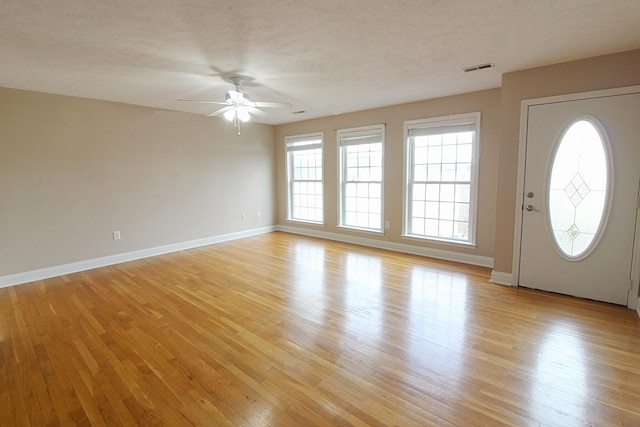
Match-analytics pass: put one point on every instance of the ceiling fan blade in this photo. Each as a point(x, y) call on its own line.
point(256, 112)
point(220, 111)
point(271, 104)
point(203, 102)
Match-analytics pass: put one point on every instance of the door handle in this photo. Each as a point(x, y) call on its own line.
point(530, 208)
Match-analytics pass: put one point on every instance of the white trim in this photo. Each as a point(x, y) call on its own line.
point(397, 247)
point(501, 278)
point(406, 174)
point(517, 232)
point(524, 123)
point(59, 270)
point(635, 270)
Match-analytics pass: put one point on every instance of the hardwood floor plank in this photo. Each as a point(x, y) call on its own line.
point(285, 330)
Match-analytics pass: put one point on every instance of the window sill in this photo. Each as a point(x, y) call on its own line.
point(454, 243)
point(362, 230)
point(302, 221)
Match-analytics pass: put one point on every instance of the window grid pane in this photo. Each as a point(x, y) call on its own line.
point(305, 180)
point(362, 186)
point(441, 169)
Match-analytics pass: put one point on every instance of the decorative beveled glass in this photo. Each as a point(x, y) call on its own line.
point(578, 189)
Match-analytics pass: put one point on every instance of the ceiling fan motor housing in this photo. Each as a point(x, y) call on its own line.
point(235, 96)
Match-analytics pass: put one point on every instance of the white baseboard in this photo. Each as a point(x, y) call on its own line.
point(59, 270)
point(398, 247)
point(501, 278)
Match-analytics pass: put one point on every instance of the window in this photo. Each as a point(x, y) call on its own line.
point(304, 177)
point(361, 151)
point(441, 170)
point(578, 189)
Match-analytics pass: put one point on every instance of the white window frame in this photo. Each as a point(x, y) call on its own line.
point(445, 125)
point(351, 137)
point(294, 144)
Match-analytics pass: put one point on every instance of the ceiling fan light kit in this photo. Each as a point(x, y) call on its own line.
point(241, 113)
point(239, 105)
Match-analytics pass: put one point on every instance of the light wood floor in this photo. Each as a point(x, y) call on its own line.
point(284, 330)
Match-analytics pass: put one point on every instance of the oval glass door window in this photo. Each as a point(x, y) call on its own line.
point(578, 189)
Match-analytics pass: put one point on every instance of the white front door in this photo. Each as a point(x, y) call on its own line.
point(580, 196)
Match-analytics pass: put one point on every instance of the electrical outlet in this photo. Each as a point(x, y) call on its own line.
point(116, 235)
point(244, 216)
point(387, 224)
point(259, 214)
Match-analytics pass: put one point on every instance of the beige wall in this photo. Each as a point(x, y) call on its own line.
point(603, 72)
point(74, 170)
point(487, 102)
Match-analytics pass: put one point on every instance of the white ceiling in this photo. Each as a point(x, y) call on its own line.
point(324, 56)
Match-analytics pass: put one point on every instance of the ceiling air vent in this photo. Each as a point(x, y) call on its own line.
point(478, 67)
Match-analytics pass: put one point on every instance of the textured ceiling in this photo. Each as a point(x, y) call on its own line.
point(323, 56)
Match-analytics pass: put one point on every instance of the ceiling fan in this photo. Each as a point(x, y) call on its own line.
point(239, 106)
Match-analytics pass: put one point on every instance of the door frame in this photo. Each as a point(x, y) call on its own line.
point(633, 300)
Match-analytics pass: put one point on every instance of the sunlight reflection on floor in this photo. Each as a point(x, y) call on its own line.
point(560, 379)
point(308, 290)
point(362, 296)
point(437, 316)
